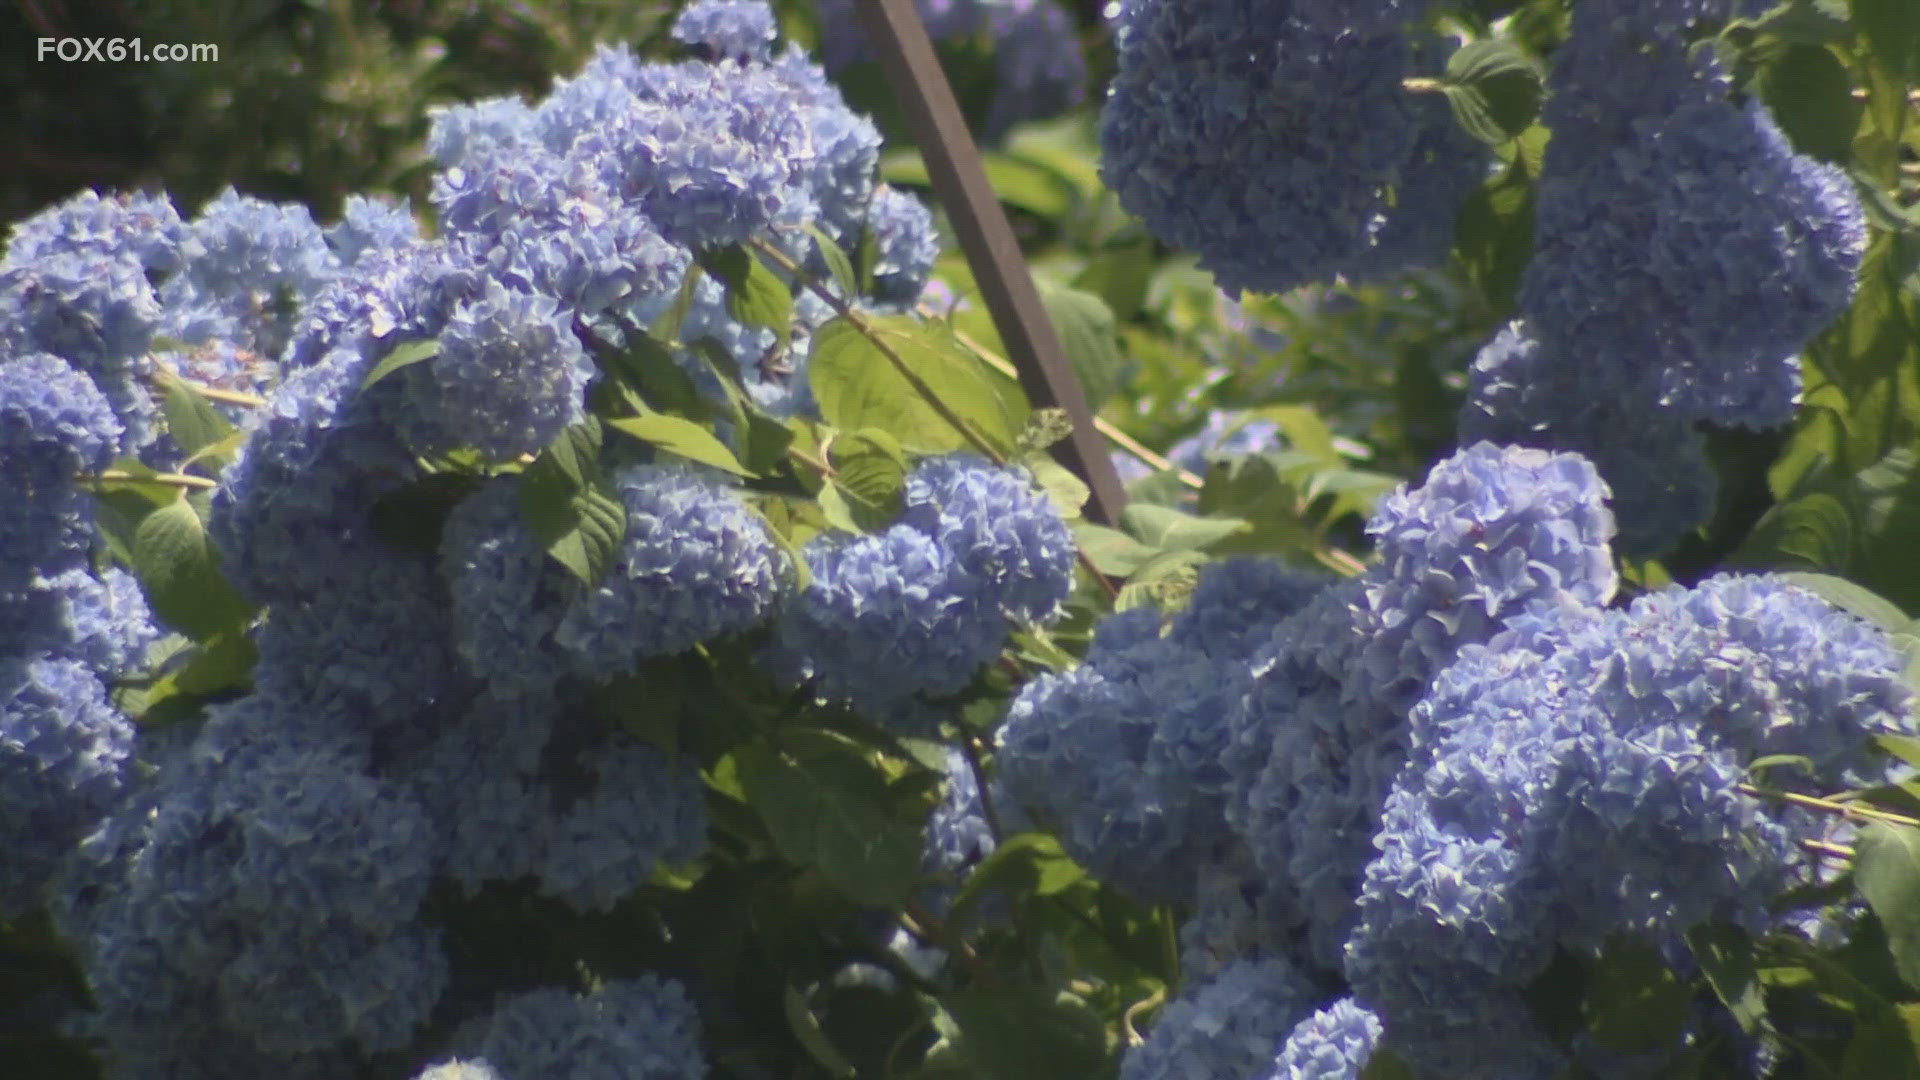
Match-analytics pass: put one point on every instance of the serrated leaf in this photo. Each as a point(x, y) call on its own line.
point(871, 469)
point(180, 573)
point(1886, 868)
point(407, 355)
point(756, 296)
point(569, 508)
point(826, 806)
point(858, 386)
point(1494, 89)
point(1164, 528)
point(680, 436)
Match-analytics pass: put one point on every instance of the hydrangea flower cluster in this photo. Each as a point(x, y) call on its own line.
point(913, 612)
point(630, 1029)
point(1227, 1026)
point(1122, 754)
point(1039, 70)
point(1579, 776)
point(1321, 731)
point(249, 894)
point(1274, 139)
point(66, 632)
point(1741, 249)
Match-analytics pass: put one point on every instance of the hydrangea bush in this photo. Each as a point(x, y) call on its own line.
point(619, 618)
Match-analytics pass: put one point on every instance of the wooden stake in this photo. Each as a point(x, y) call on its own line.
point(986, 238)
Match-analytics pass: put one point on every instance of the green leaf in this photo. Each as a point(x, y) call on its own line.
point(1494, 89)
point(1634, 1000)
point(1904, 747)
point(1165, 528)
point(836, 259)
point(1384, 1064)
point(1726, 957)
point(570, 508)
point(413, 352)
point(1029, 1033)
point(1030, 864)
point(1111, 551)
point(647, 366)
point(1885, 1043)
point(192, 420)
point(871, 470)
point(1852, 598)
point(180, 573)
point(859, 386)
point(756, 295)
point(1886, 867)
point(1088, 336)
point(826, 805)
point(1121, 274)
point(1068, 492)
point(677, 435)
point(1810, 94)
point(1494, 234)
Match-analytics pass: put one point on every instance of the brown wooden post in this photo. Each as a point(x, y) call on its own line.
point(986, 238)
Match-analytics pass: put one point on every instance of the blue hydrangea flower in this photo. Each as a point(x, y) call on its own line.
point(480, 782)
point(697, 563)
point(457, 133)
point(627, 1029)
point(1332, 1044)
point(95, 309)
point(1223, 435)
point(642, 809)
point(371, 224)
point(1123, 755)
point(1744, 250)
point(64, 753)
point(256, 263)
point(887, 617)
point(1039, 68)
point(510, 376)
point(1004, 534)
point(1237, 602)
point(1229, 1026)
point(54, 425)
point(103, 622)
point(145, 227)
point(1655, 465)
point(506, 598)
point(1264, 139)
point(906, 243)
point(733, 29)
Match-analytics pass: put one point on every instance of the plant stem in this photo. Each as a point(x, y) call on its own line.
point(1830, 806)
point(181, 480)
point(859, 322)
